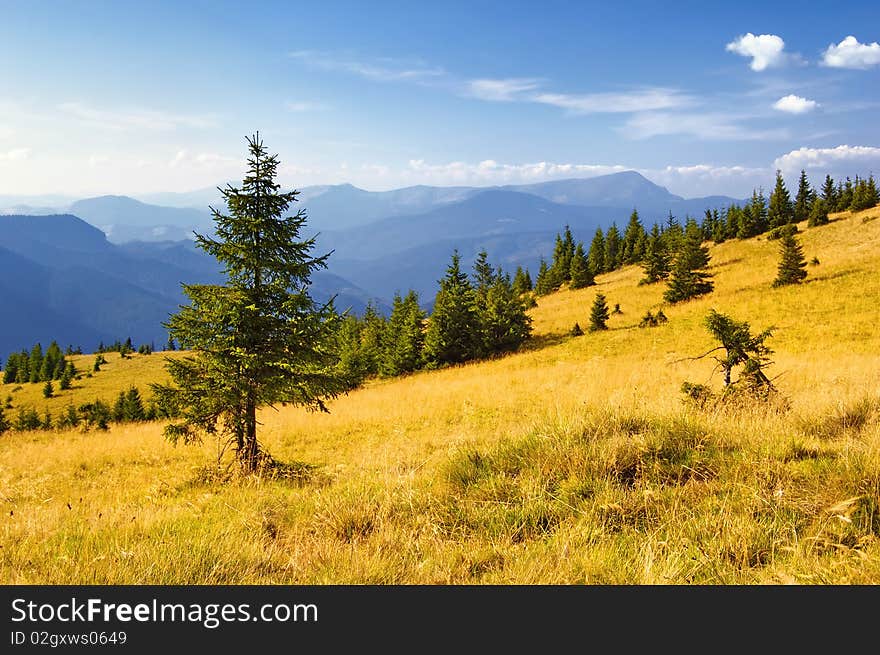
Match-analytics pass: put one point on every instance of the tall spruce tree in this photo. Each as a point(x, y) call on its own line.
point(633, 240)
point(596, 255)
point(829, 193)
point(260, 339)
point(599, 313)
point(818, 213)
point(780, 210)
point(581, 275)
point(454, 330)
point(544, 281)
point(792, 265)
point(563, 251)
point(803, 201)
point(656, 260)
point(404, 336)
point(504, 320)
point(613, 251)
point(689, 277)
point(522, 281)
point(483, 274)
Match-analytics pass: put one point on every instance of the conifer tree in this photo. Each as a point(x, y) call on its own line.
point(780, 211)
point(599, 313)
point(260, 339)
point(581, 275)
point(4, 422)
point(818, 213)
point(522, 281)
point(803, 201)
point(656, 260)
point(35, 363)
point(672, 234)
point(543, 283)
point(48, 389)
point(596, 256)
point(613, 252)
point(829, 193)
point(483, 274)
point(689, 277)
point(633, 240)
point(404, 336)
point(454, 331)
point(845, 196)
point(792, 265)
point(504, 320)
point(563, 251)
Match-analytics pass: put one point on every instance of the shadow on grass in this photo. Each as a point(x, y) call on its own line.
point(269, 469)
point(542, 341)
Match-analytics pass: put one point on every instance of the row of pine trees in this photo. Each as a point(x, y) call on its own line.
point(37, 366)
point(473, 317)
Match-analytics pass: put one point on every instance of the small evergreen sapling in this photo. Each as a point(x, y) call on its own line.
point(599, 314)
point(792, 265)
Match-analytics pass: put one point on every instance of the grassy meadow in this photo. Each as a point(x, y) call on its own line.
point(574, 461)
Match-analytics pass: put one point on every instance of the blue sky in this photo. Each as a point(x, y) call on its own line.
point(137, 97)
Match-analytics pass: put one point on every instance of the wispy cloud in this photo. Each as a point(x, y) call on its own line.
point(204, 160)
point(849, 53)
point(501, 90)
point(490, 171)
point(638, 100)
point(16, 154)
point(793, 104)
point(765, 50)
point(711, 126)
point(380, 70)
point(134, 118)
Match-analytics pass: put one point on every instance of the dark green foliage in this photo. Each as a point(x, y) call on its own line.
point(656, 258)
point(563, 253)
point(634, 238)
point(46, 422)
point(454, 329)
point(522, 281)
point(829, 193)
point(580, 274)
point(404, 336)
point(864, 194)
point(792, 265)
point(672, 234)
point(260, 339)
point(96, 415)
point(4, 423)
point(599, 314)
point(844, 195)
point(504, 320)
point(483, 274)
point(128, 406)
point(576, 330)
point(170, 345)
point(613, 249)
point(818, 213)
point(544, 281)
point(596, 256)
point(27, 419)
point(741, 348)
point(69, 418)
point(35, 363)
point(782, 230)
point(689, 277)
point(99, 361)
point(803, 201)
point(653, 320)
point(48, 389)
point(780, 210)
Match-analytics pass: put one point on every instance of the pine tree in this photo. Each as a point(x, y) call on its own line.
point(672, 234)
point(563, 251)
point(454, 331)
point(818, 213)
point(504, 320)
point(66, 377)
point(633, 240)
point(872, 195)
point(4, 422)
point(613, 252)
point(599, 313)
point(483, 274)
point(845, 196)
point(656, 260)
point(803, 201)
point(792, 265)
point(581, 275)
point(543, 283)
point(596, 256)
point(35, 363)
point(522, 281)
point(689, 277)
point(829, 193)
point(134, 406)
point(260, 339)
point(404, 336)
point(48, 389)
point(780, 211)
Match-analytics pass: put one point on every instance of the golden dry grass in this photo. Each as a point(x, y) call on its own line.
point(573, 461)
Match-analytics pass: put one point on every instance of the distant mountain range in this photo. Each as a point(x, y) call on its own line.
point(110, 267)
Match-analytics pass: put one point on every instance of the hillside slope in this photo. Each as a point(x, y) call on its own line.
point(574, 461)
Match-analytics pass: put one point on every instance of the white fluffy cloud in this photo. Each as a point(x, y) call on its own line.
point(503, 90)
point(859, 158)
point(793, 104)
point(766, 50)
point(849, 53)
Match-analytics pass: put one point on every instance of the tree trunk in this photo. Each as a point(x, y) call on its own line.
point(249, 453)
